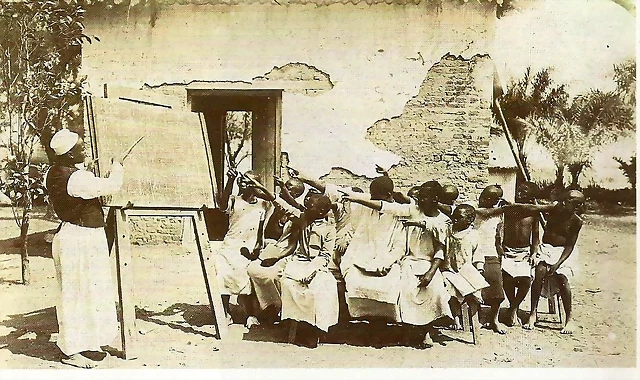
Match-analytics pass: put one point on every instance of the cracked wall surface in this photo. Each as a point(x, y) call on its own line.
point(443, 132)
point(372, 69)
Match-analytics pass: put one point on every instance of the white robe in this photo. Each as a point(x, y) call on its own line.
point(422, 305)
point(86, 308)
point(378, 242)
point(244, 219)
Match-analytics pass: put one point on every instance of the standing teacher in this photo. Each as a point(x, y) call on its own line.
point(86, 309)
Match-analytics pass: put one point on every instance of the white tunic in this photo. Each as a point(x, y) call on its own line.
point(244, 220)
point(378, 242)
point(86, 308)
point(317, 302)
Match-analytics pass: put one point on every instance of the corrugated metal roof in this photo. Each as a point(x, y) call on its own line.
point(500, 156)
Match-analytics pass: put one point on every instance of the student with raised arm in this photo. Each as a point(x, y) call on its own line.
point(247, 212)
point(557, 256)
point(520, 244)
point(383, 277)
point(290, 191)
point(342, 213)
point(307, 242)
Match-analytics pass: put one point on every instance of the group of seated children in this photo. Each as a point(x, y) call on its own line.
point(340, 253)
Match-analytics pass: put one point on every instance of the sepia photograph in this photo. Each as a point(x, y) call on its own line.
point(318, 184)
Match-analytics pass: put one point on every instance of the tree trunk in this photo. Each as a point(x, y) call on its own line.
point(559, 182)
point(24, 239)
point(575, 170)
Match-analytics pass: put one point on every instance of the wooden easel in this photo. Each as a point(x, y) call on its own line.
point(125, 273)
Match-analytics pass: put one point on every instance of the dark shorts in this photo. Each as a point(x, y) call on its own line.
point(493, 275)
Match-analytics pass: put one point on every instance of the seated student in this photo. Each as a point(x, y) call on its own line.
point(246, 222)
point(447, 198)
point(290, 192)
point(309, 290)
point(342, 213)
point(557, 256)
point(463, 259)
point(520, 243)
point(378, 245)
point(266, 273)
point(383, 281)
point(488, 223)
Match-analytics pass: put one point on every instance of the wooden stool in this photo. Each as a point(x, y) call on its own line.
point(470, 322)
point(553, 296)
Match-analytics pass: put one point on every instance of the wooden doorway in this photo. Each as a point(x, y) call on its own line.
point(215, 103)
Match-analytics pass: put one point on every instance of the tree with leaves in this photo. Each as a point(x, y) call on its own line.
point(533, 97)
point(602, 117)
point(40, 92)
point(629, 169)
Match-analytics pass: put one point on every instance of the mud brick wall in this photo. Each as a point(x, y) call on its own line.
point(156, 230)
point(443, 132)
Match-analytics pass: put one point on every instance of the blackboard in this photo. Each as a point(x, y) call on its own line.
point(170, 167)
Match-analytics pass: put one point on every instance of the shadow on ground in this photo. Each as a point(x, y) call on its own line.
point(181, 316)
point(37, 245)
point(30, 334)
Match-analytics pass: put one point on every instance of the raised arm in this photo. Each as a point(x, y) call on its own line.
point(362, 199)
point(529, 207)
point(286, 195)
point(86, 185)
point(232, 174)
point(313, 182)
point(267, 194)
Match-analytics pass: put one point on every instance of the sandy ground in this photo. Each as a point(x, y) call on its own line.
point(174, 321)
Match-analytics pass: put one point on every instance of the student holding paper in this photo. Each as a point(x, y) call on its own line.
point(462, 260)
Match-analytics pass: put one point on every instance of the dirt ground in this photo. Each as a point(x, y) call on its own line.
point(175, 331)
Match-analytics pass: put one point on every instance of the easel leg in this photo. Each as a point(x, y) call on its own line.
point(210, 275)
point(125, 285)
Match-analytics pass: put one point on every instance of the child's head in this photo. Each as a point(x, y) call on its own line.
point(413, 193)
point(295, 187)
point(428, 195)
point(317, 207)
point(307, 197)
point(490, 196)
point(381, 188)
point(573, 201)
point(462, 217)
point(449, 194)
point(244, 182)
point(527, 192)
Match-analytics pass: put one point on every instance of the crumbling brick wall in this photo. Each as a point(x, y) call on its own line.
point(443, 132)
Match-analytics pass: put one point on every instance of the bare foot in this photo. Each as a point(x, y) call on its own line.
point(252, 321)
point(497, 327)
point(568, 328)
point(531, 321)
point(427, 342)
point(512, 317)
point(77, 360)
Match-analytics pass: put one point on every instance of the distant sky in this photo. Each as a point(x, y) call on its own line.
point(580, 40)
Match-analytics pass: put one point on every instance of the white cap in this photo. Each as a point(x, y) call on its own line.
point(63, 141)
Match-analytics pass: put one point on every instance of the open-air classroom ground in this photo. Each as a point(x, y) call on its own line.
point(174, 321)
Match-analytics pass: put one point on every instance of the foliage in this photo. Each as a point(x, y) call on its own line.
point(625, 78)
point(533, 97)
point(629, 169)
point(40, 91)
point(537, 109)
